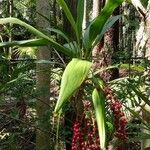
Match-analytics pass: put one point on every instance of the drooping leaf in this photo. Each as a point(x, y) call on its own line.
point(25, 43)
point(147, 148)
point(97, 24)
point(73, 76)
point(99, 106)
point(27, 26)
point(45, 39)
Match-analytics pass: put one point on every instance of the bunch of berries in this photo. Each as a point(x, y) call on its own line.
point(85, 137)
point(119, 117)
point(77, 140)
point(85, 134)
point(90, 128)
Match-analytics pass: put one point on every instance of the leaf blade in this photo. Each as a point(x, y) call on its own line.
point(73, 76)
point(110, 22)
point(68, 13)
point(37, 33)
point(97, 24)
point(80, 14)
point(99, 106)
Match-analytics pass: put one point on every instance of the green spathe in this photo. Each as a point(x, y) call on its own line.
point(73, 76)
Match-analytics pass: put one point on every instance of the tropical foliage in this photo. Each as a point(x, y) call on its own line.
point(104, 111)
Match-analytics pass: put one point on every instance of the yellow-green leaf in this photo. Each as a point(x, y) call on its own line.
point(73, 76)
point(99, 106)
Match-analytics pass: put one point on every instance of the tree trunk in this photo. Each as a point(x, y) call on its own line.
point(96, 8)
point(115, 46)
point(143, 48)
point(143, 34)
point(43, 81)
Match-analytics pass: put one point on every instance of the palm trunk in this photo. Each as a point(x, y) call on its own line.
point(43, 81)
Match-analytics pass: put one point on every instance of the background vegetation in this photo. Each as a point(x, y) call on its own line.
point(60, 66)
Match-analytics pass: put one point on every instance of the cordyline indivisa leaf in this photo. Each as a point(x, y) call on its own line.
point(44, 39)
point(97, 24)
point(73, 76)
point(99, 106)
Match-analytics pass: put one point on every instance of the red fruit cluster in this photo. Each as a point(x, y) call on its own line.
point(85, 134)
point(119, 116)
point(91, 135)
point(77, 140)
point(85, 137)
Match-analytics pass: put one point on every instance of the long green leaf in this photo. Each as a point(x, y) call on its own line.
point(97, 24)
point(26, 43)
point(73, 76)
point(137, 68)
point(68, 14)
point(135, 114)
point(27, 26)
point(107, 25)
point(37, 33)
point(99, 106)
point(59, 32)
point(140, 94)
point(80, 14)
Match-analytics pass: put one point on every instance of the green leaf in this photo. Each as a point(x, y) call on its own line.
point(138, 68)
point(80, 14)
point(99, 106)
point(73, 76)
point(37, 33)
point(98, 23)
point(74, 47)
point(135, 114)
point(140, 94)
point(147, 148)
point(60, 33)
point(27, 26)
point(68, 14)
point(107, 25)
point(26, 43)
